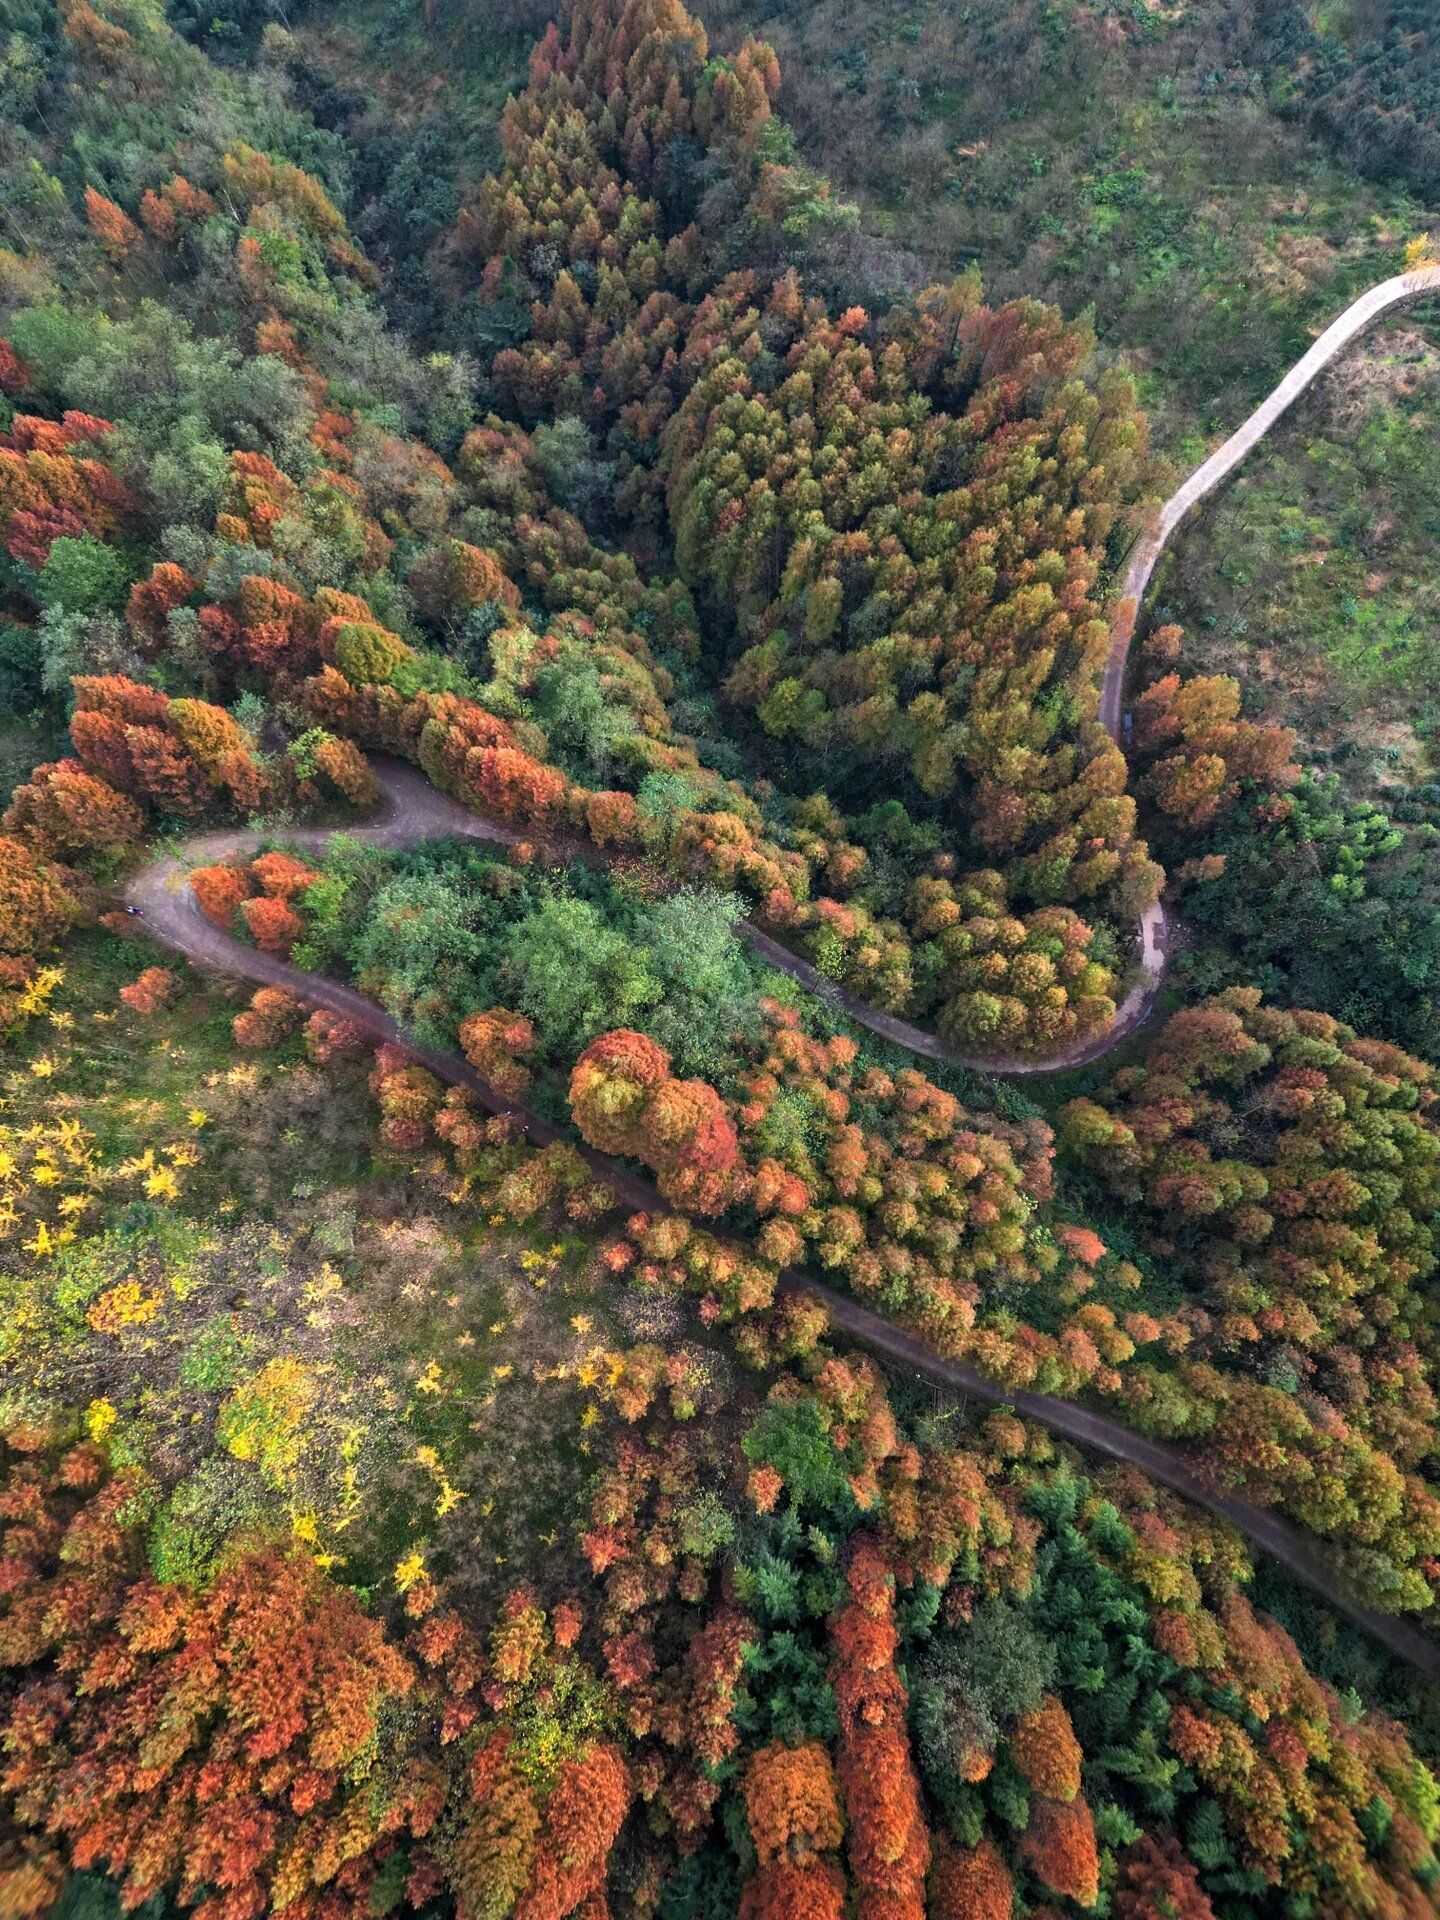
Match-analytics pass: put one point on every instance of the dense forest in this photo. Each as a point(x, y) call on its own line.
point(563, 878)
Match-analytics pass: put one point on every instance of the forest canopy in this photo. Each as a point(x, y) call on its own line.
point(554, 783)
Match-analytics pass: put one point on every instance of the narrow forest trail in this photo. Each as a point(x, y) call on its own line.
point(418, 812)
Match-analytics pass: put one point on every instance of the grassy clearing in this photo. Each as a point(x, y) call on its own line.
point(1312, 578)
point(299, 1335)
point(1121, 165)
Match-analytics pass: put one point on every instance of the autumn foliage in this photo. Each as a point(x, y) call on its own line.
point(179, 756)
point(494, 1043)
point(786, 1890)
point(581, 1820)
point(151, 992)
point(38, 901)
point(272, 924)
point(836, 1658)
point(409, 1097)
point(272, 1016)
point(1202, 753)
point(1059, 1847)
point(52, 489)
point(1157, 1881)
point(970, 1883)
point(111, 225)
point(220, 891)
point(228, 1719)
point(625, 1100)
point(61, 809)
point(1047, 1752)
point(330, 1034)
point(1305, 1238)
point(254, 897)
point(888, 1847)
point(281, 875)
point(792, 1803)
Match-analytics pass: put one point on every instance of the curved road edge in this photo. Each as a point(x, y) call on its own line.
point(419, 812)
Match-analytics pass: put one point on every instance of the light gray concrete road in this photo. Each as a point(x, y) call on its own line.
point(1213, 472)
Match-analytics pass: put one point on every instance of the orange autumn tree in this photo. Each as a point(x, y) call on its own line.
point(581, 1820)
point(37, 901)
point(493, 1042)
point(409, 1097)
point(328, 1035)
point(172, 209)
point(541, 1816)
point(1158, 1881)
point(151, 992)
point(272, 924)
point(178, 755)
point(1202, 753)
point(792, 1802)
point(625, 1100)
point(153, 600)
point(111, 225)
point(220, 890)
point(228, 1719)
point(227, 894)
point(62, 809)
point(282, 876)
point(1059, 1848)
point(888, 1847)
point(50, 489)
point(496, 1849)
point(341, 763)
point(272, 1016)
point(1046, 1751)
point(451, 579)
point(785, 1890)
point(969, 1883)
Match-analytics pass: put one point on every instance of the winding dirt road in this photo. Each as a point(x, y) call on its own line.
point(417, 811)
point(1154, 931)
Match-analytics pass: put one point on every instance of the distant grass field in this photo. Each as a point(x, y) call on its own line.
point(1099, 157)
point(1313, 577)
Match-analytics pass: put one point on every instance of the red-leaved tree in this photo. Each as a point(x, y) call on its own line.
point(199, 1743)
point(625, 1100)
point(888, 1847)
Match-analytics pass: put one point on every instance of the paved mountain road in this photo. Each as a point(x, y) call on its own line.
point(1211, 473)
